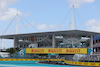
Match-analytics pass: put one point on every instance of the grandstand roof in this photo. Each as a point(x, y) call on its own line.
point(67, 32)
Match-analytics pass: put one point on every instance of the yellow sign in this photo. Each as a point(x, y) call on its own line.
point(57, 50)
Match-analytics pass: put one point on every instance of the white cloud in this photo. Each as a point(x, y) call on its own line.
point(10, 13)
point(90, 22)
point(78, 3)
point(42, 26)
point(93, 25)
point(27, 14)
point(34, 17)
point(5, 12)
point(55, 26)
point(49, 27)
point(5, 3)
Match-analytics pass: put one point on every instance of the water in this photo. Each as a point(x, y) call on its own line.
point(29, 64)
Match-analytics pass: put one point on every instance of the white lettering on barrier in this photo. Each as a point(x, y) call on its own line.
point(21, 53)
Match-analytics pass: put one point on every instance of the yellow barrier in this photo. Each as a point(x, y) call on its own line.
point(67, 62)
point(31, 59)
point(82, 63)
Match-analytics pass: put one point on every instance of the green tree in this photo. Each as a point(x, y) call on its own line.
point(12, 50)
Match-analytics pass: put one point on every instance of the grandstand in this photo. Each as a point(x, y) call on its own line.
point(55, 39)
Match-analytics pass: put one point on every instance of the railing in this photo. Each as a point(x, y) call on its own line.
point(71, 47)
point(96, 45)
point(30, 56)
point(85, 58)
point(90, 58)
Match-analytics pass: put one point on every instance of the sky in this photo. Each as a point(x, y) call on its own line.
point(47, 15)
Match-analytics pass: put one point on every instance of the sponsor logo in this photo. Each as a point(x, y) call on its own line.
point(55, 50)
point(37, 50)
point(80, 63)
point(73, 50)
point(75, 62)
point(99, 64)
point(85, 63)
point(93, 64)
